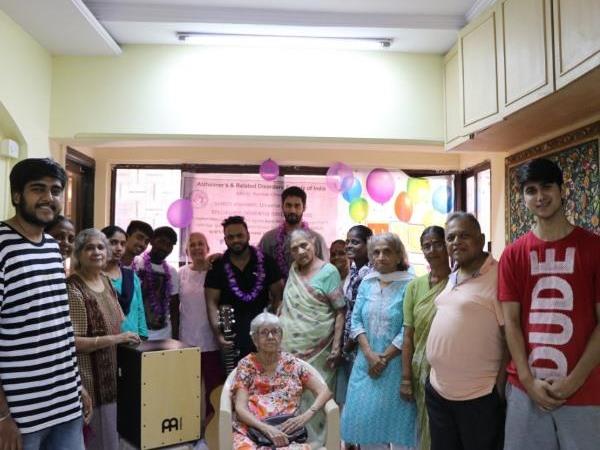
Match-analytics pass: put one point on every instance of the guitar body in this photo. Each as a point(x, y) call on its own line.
point(226, 320)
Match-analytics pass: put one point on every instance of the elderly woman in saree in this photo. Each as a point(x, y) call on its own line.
point(312, 315)
point(96, 317)
point(269, 384)
point(419, 309)
point(374, 414)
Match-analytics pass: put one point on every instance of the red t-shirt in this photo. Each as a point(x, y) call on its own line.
point(558, 286)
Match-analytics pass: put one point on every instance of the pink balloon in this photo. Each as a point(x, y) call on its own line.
point(180, 213)
point(339, 177)
point(380, 185)
point(269, 169)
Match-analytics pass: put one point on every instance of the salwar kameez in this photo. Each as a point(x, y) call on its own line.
point(374, 413)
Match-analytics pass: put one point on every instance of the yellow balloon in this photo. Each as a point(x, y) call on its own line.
point(358, 209)
point(428, 218)
point(418, 190)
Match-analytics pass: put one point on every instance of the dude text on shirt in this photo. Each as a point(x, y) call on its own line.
point(551, 295)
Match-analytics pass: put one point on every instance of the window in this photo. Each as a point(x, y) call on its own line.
point(419, 199)
point(145, 194)
point(476, 197)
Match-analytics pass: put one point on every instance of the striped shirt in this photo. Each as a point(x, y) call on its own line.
point(38, 368)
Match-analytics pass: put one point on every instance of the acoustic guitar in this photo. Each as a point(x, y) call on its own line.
point(230, 356)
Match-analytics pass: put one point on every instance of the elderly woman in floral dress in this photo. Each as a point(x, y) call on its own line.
point(270, 383)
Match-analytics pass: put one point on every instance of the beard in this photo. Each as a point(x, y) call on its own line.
point(158, 256)
point(32, 218)
point(238, 250)
point(292, 218)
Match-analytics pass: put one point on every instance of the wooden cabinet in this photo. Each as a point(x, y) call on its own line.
point(525, 63)
point(452, 103)
point(576, 38)
point(515, 54)
point(478, 73)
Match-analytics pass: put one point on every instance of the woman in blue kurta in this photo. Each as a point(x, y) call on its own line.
point(374, 414)
point(126, 284)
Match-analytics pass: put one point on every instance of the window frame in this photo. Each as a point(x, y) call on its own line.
point(253, 168)
point(461, 190)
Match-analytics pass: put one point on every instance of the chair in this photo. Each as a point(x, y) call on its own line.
point(332, 416)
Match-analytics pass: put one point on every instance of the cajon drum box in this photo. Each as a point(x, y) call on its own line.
point(158, 393)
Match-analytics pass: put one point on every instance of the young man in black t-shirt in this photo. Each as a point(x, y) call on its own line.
point(245, 278)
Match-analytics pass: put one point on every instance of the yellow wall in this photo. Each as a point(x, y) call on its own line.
point(25, 86)
point(186, 90)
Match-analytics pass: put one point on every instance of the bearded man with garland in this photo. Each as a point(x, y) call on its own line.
point(245, 278)
point(276, 242)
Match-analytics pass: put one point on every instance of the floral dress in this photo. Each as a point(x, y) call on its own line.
point(269, 395)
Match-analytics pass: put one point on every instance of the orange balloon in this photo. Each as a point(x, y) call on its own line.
point(403, 207)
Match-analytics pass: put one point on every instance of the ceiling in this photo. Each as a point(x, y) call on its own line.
point(100, 27)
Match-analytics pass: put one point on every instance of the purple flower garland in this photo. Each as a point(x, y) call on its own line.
point(159, 308)
point(280, 248)
point(258, 283)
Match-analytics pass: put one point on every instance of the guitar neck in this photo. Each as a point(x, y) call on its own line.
point(230, 355)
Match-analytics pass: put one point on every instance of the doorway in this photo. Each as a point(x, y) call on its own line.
point(79, 191)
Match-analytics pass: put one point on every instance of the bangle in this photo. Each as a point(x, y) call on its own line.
point(313, 409)
point(5, 416)
point(96, 341)
point(406, 382)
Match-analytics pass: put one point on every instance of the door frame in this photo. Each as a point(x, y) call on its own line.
point(86, 166)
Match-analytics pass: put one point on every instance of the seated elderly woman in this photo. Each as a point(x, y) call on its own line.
point(269, 384)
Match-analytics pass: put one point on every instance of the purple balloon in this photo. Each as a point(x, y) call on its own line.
point(380, 185)
point(269, 170)
point(180, 213)
point(339, 177)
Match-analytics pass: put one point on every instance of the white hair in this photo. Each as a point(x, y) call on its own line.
point(263, 319)
point(82, 239)
point(301, 233)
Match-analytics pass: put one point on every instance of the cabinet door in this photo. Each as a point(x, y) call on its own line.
point(452, 103)
point(478, 73)
point(576, 38)
point(525, 52)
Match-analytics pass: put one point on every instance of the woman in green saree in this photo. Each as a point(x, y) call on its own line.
point(419, 310)
point(312, 315)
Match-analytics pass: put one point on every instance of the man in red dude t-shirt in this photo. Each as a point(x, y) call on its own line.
point(549, 286)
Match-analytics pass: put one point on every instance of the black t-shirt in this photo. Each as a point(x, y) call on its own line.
point(244, 312)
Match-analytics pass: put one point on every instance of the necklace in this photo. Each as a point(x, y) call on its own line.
point(280, 248)
point(258, 282)
point(158, 303)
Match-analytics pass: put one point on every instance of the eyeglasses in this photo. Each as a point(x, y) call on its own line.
point(276, 332)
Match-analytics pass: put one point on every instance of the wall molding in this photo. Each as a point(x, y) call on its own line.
point(127, 12)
